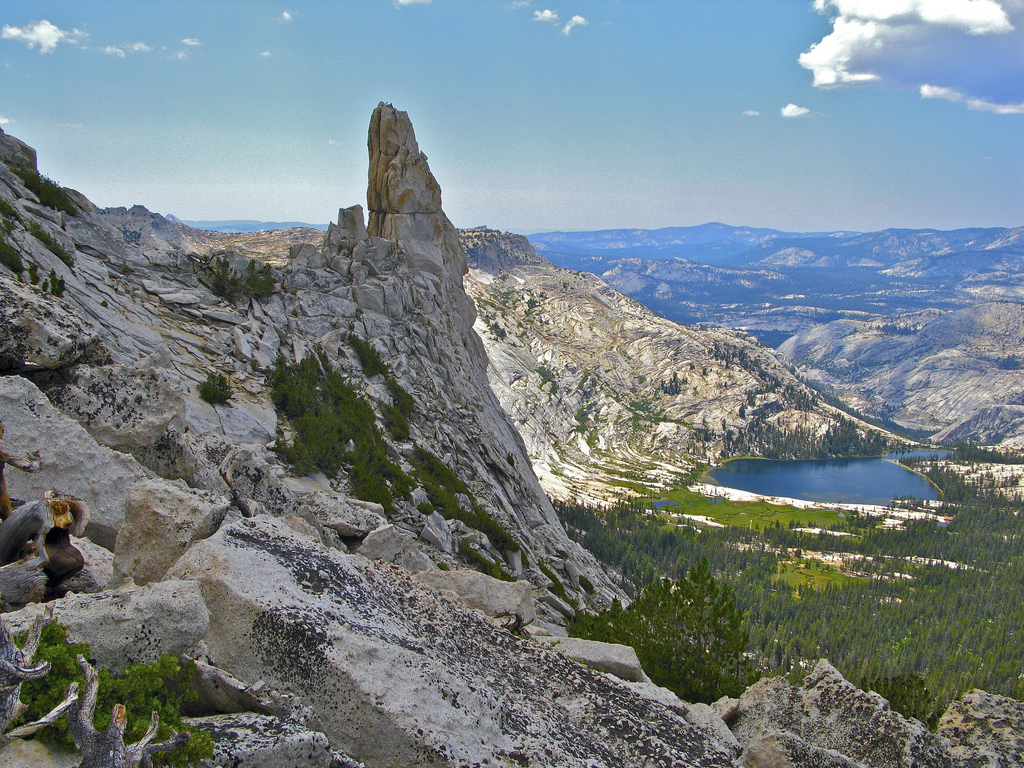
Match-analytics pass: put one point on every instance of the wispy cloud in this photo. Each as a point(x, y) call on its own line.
point(520, 4)
point(972, 47)
point(400, 3)
point(113, 50)
point(285, 16)
point(793, 110)
point(266, 54)
point(751, 113)
point(42, 33)
point(140, 48)
point(950, 94)
point(191, 41)
point(546, 15)
point(4, 120)
point(575, 21)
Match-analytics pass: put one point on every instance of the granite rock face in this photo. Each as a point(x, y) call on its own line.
point(829, 713)
point(984, 731)
point(370, 650)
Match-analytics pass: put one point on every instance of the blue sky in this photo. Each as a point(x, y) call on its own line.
point(575, 114)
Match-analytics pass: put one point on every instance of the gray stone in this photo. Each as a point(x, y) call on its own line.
point(250, 740)
point(35, 754)
point(70, 459)
point(162, 520)
point(554, 601)
point(123, 407)
point(130, 625)
point(615, 659)
point(398, 676)
point(436, 532)
point(38, 332)
point(478, 590)
point(984, 730)
point(95, 576)
point(339, 514)
point(829, 713)
point(781, 749)
point(219, 691)
point(388, 543)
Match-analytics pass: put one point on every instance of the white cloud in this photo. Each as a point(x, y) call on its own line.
point(141, 48)
point(793, 110)
point(751, 113)
point(520, 4)
point(973, 47)
point(181, 55)
point(42, 33)
point(575, 21)
point(4, 120)
point(285, 16)
point(400, 3)
point(113, 50)
point(192, 41)
point(332, 142)
point(546, 15)
point(950, 94)
point(266, 54)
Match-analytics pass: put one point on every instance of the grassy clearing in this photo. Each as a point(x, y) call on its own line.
point(747, 514)
point(812, 574)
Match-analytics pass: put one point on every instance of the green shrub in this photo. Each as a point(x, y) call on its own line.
point(395, 421)
point(8, 211)
point(907, 694)
point(56, 284)
point(256, 282)
point(10, 257)
point(161, 687)
point(327, 414)
point(216, 389)
point(50, 193)
point(442, 486)
point(482, 563)
point(558, 587)
point(33, 272)
point(688, 634)
point(369, 357)
point(51, 244)
point(587, 584)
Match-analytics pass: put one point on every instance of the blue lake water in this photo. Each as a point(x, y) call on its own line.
point(853, 481)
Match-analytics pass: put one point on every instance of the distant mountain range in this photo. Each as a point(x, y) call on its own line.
point(237, 226)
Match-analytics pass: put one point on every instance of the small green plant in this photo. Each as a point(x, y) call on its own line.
point(8, 211)
point(256, 282)
point(10, 257)
point(161, 686)
point(56, 284)
point(369, 357)
point(216, 389)
point(33, 272)
point(51, 244)
point(547, 377)
point(482, 563)
point(558, 588)
point(50, 193)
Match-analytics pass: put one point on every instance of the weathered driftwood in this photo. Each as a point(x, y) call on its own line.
point(40, 531)
point(21, 583)
point(107, 749)
point(16, 666)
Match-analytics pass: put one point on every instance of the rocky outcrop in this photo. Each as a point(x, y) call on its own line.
point(984, 731)
point(830, 714)
point(373, 651)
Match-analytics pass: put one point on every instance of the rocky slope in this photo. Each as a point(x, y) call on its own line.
point(957, 374)
point(609, 397)
point(324, 633)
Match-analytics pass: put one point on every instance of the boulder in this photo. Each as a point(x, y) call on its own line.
point(250, 740)
point(613, 658)
point(70, 459)
point(984, 730)
point(123, 407)
point(388, 543)
point(162, 520)
point(38, 331)
point(348, 520)
point(20, 754)
point(399, 676)
point(781, 749)
point(98, 569)
point(130, 625)
point(436, 532)
point(487, 594)
point(829, 713)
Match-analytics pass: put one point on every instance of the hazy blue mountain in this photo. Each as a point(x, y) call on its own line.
point(712, 243)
